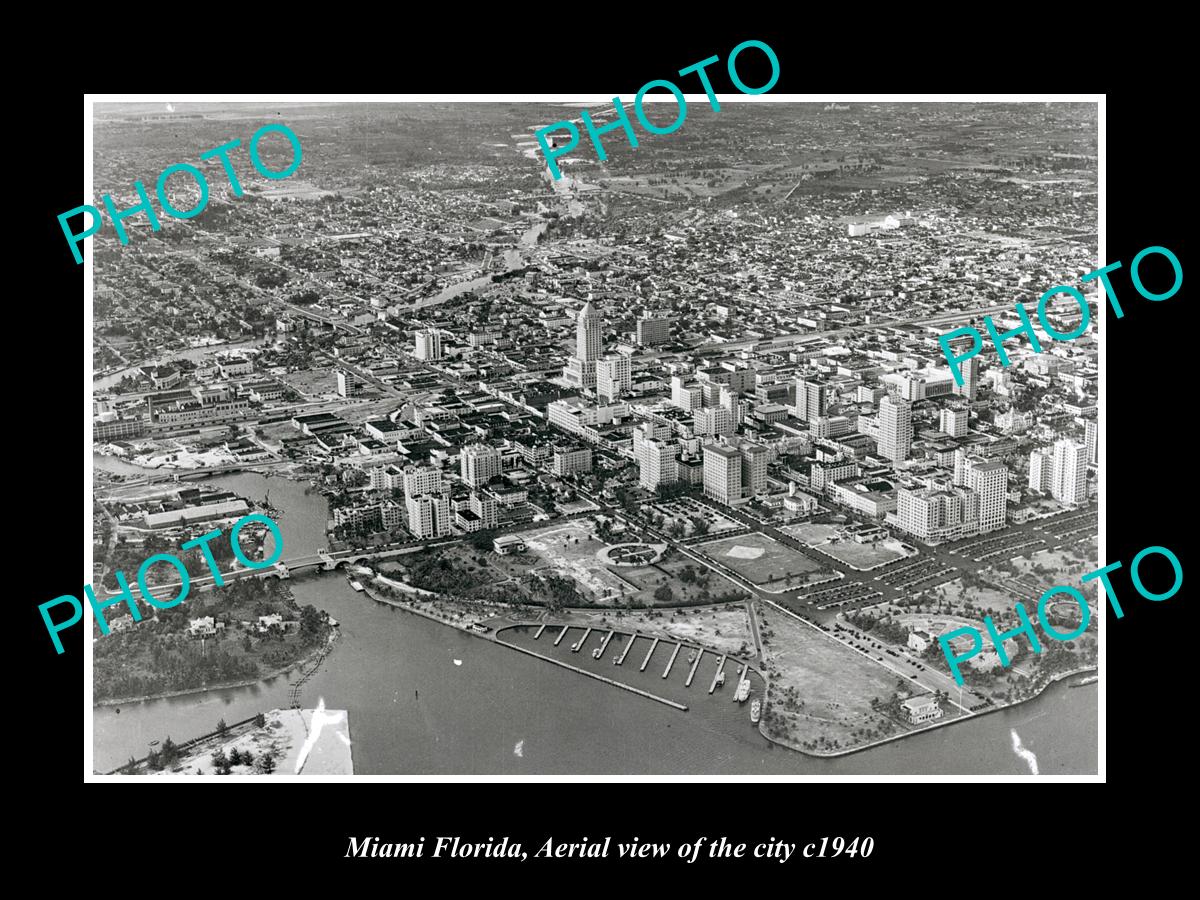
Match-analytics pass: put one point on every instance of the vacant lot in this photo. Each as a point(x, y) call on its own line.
point(764, 561)
point(821, 690)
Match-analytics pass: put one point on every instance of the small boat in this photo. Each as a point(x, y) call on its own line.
point(596, 653)
point(154, 743)
point(692, 656)
point(720, 678)
point(358, 587)
point(755, 710)
point(743, 691)
point(1091, 679)
point(616, 662)
point(575, 646)
point(458, 662)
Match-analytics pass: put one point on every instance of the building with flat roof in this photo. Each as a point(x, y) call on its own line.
point(722, 473)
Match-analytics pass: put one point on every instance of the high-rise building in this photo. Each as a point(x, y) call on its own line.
point(653, 330)
point(937, 514)
point(613, 377)
point(686, 395)
point(722, 473)
point(812, 398)
point(348, 384)
point(1041, 471)
point(484, 507)
point(969, 371)
point(1091, 431)
point(954, 422)
point(589, 336)
point(428, 344)
point(754, 469)
point(422, 480)
point(580, 369)
point(989, 482)
point(1070, 472)
point(479, 464)
point(428, 515)
point(659, 464)
point(714, 420)
point(895, 429)
point(571, 460)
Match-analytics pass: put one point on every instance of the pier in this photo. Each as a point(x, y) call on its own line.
point(649, 653)
point(539, 631)
point(624, 687)
point(717, 674)
point(562, 634)
point(671, 661)
point(628, 647)
point(604, 643)
point(582, 640)
point(695, 664)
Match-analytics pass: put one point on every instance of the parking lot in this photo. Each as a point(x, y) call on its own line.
point(854, 593)
point(920, 575)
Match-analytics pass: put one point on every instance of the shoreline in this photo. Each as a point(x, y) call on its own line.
point(493, 637)
point(942, 724)
point(245, 682)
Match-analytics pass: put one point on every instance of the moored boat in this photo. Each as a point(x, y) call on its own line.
point(755, 709)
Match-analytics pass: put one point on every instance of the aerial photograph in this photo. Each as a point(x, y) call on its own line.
point(658, 467)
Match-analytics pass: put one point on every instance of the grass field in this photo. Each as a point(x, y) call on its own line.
point(853, 554)
point(764, 561)
point(821, 690)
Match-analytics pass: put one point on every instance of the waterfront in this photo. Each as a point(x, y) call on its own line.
point(502, 712)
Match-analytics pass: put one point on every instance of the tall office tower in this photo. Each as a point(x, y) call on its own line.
point(659, 464)
point(479, 464)
point(348, 384)
point(714, 420)
point(428, 515)
point(970, 376)
point(427, 344)
point(1070, 472)
point(954, 422)
point(653, 330)
point(1091, 440)
point(895, 429)
point(420, 480)
point(722, 473)
point(614, 377)
point(580, 369)
point(589, 333)
point(730, 400)
point(989, 481)
point(960, 467)
point(812, 398)
point(649, 431)
point(754, 469)
point(684, 394)
point(1041, 471)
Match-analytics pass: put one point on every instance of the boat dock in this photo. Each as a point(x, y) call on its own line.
point(618, 684)
point(649, 653)
point(717, 674)
point(695, 664)
point(628, 647)
point(582, 641)
point(604, 643)
point(671, 661)
point(562, 634)
point(539, 631)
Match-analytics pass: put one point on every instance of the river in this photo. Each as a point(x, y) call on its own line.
point(502, 712)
